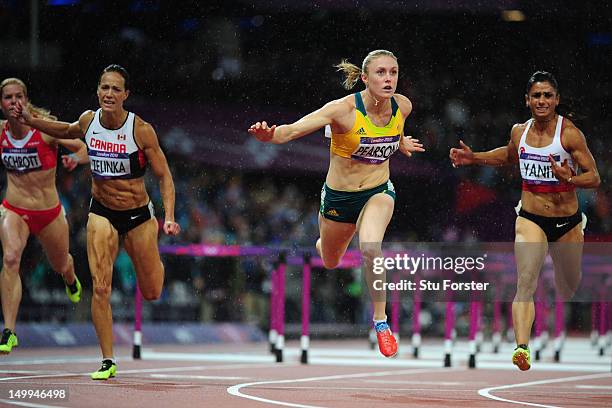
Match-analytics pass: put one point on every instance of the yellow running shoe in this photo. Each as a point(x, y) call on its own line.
point(108, 370)
point(522, 358)
point(74, 291)
point(8, 341)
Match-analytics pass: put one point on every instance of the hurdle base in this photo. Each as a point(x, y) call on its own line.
point(372, 339)
point(537, 355)
point(447, 360)
point(415, 352)
point(304, 357)
point(557, 356)
point(272, 348)
point(594, 338)
point(279, 355)
point(136, 352)
point(472, 361)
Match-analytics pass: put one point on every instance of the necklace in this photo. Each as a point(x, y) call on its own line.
point(372, 96)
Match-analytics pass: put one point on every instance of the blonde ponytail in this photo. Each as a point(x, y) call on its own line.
point(351, 72)
point(38, 112)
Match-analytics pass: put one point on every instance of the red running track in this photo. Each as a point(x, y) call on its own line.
point(341, 375)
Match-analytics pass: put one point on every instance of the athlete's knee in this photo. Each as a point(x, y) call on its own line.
point(330, 258)
point(566, 286)
point(330, 262)
point(102, 291)
point(152, 293)
point(11, 261)
point(526, 288)
point(370, 251)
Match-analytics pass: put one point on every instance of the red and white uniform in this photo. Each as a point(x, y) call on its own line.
point(535, 166)
point(28, 154)
point(31, 153)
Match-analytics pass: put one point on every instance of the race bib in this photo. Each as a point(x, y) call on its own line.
point(24, 159)
point(376, 150)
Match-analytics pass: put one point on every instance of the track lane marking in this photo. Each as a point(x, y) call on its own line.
point(486, 392)
point(235, 389)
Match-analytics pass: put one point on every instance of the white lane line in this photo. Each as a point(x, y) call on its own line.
point(27, 377)
point(29, 404)
point(54, 374)
point(235, 389)
point(289, 387)
point(90, 382)
point(450, 383)
point(212, 357)
point(142, 371)
point(202, 367)
point(543, 366)
point(197, 377)
point(39, 361)
point(595, 387)
point(486, 392)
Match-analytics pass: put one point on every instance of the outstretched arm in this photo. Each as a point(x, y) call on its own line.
point(308, 124)
point(147, 138)
point(501, 156)
point(53, 128)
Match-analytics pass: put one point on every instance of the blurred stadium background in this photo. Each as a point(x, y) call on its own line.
point(202, 72)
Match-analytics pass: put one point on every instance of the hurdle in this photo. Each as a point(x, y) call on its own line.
point(602, 326)
point(449, 325)
point(137, 338)
point(559, 328)
point(538, 325)
point(472, 334)
point(305, 338)
point(594, 323)
point(416, 322)
point(395, 311)
point(496, 326)
point(280, 307)
point(272, 333)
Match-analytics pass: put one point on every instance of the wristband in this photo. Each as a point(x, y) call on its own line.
point(569, 180)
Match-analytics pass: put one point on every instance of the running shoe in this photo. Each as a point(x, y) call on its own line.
point(522, 358)
point(108, 370)
point(74, 291)
point(8, 341)
point(386, 341)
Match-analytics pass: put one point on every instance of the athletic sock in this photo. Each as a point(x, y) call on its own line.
point(379, 321)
